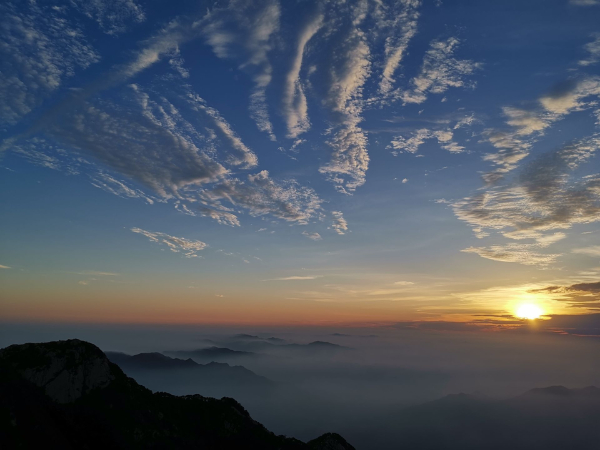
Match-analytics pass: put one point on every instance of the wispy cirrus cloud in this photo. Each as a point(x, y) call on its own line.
point(110, 184)
point(188, 247)
point(50, 50)
point(134, 147)
point(348, 73)
point(543, 199)
point(515, 253)
point(401, 18)
point(295, 107)
point(593, 250)
point(163, 43)
point(97, 273)
point(584, 2)
point(112, 16)
point(244, 31)
point(578, 295)
point(528, 124)
point(578, 287)
point(295, 278)
point(5, 267)
point(132, 142)
point(260, 195)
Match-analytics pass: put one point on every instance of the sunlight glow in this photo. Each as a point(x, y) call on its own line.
point(529, 311)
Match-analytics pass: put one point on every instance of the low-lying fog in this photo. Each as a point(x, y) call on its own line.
point(300, 385)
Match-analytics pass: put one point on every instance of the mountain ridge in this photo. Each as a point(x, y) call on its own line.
point(100, 407)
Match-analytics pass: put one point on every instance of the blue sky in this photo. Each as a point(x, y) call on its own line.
point(298, 161)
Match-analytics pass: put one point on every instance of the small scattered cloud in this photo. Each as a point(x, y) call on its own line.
point(439, 72)
point(404, 283)
point(313, 236)
point(188, 247)
point(339, 224)
point(418, 137)
point(584, 2)
point(222, 217)
point(466, 121)
point(404, 180)
point(593, 50)
point(5, 267)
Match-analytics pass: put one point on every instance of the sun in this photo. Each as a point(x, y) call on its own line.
point(529, 311)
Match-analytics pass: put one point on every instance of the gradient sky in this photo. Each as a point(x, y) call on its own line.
point(298, 162)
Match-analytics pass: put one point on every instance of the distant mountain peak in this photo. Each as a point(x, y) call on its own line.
point(245, 336)
point(324, 344)
point(562, 391)
point(158, 360)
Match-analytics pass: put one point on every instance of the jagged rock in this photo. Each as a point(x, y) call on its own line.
point(66, 370)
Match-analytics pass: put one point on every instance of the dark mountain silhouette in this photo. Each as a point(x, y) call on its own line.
point(316, 348)
point(278, 346)
point(68, 395)
point(154, 360)
point(355, 335)
point(213, 354)
point(590, 392)
point(551, 418)
point(246, 336)
point(324, 344)
point(159, 372)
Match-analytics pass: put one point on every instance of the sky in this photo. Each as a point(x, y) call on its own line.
point(300, 162)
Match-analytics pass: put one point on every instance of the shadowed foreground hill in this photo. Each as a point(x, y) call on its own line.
point(68, 395)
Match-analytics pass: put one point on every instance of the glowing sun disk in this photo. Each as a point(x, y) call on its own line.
point(529, 311)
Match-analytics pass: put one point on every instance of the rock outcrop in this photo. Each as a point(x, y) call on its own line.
point(66, 370)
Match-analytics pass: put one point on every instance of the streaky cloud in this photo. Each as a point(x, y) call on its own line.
point(188, 247)
point(295, 106)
